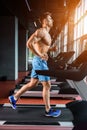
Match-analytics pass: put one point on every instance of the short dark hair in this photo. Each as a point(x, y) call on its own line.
point(44, 15)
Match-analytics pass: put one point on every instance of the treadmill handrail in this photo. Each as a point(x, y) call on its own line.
point(75, 74)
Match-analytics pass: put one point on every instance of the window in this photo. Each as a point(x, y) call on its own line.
point(80, 25)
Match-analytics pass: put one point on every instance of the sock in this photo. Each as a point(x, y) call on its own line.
point(15, 98)
point(48, 110)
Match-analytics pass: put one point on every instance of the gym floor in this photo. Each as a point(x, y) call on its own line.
point(6, 86)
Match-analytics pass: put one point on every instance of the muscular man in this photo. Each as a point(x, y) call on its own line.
point(40, 44)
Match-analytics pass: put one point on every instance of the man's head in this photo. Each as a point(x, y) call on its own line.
point(47, 19)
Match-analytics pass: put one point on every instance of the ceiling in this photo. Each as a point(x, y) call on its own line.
point(60, 10)
point(28, 11)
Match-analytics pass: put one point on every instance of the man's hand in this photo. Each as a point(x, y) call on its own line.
point(44, 56)
point(53, 48)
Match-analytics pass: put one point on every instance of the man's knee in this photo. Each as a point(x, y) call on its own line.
point(46, 85)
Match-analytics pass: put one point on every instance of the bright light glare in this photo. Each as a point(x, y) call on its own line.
point(85, 25)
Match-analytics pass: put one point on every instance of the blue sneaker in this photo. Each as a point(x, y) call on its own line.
point(12, 102)
point(53, 113)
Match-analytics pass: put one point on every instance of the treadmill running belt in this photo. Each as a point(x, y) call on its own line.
point(32, 115)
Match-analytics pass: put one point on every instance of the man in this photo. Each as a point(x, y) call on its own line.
point(40, 44)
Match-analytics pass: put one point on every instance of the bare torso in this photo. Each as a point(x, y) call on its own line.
point(44, 44)
point(40, 42)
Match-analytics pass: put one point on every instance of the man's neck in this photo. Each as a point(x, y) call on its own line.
point(47, 28)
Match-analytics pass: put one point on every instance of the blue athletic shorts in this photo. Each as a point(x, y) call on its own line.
point(39, 64)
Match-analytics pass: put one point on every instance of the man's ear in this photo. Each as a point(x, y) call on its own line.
point(44, 21)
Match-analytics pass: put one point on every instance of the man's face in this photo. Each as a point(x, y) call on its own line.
point(49, 21)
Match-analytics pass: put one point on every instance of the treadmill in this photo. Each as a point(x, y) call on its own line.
point(75, 74)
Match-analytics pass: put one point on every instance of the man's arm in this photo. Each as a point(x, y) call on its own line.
point(34, 39)
point(31, 43)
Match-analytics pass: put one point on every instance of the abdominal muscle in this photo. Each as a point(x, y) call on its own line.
point(42, 48)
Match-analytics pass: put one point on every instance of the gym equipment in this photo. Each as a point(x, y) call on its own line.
point(76, 70)
point(60, 61)
point(74, 75)
point(34, 115)
point(56, 90)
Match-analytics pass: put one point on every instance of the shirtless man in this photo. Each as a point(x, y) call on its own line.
point(40, 44)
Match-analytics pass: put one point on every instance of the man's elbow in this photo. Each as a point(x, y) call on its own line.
point(27, 44)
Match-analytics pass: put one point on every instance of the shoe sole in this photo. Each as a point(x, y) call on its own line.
point(11, 103)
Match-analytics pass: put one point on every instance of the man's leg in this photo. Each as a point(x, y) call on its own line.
point(46, 97)
point(46, 94)
point(23, 89)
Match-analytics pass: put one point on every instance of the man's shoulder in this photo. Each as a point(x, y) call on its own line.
point(40, 31)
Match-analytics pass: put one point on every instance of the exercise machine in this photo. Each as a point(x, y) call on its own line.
point(74, 75)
